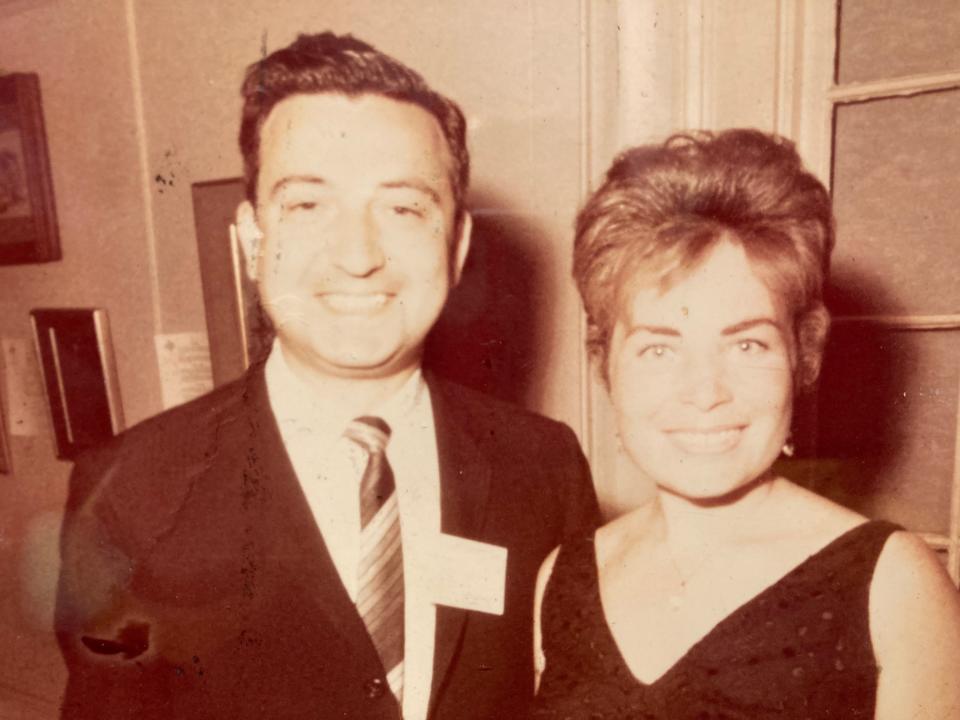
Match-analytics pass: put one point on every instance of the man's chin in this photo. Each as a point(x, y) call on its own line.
point(372, 366)
point(355, 362)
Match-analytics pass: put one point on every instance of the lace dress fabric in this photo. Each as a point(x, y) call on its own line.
point(799, 649)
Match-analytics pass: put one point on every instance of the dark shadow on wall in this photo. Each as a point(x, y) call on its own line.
point(851, 432)
point(490, 335)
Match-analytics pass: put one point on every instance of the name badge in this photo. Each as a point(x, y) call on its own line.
point(467, 574)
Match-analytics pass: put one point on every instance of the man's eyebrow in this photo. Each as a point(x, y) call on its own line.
point(655, 330)
point(413, 184)
point(750, 323)
point(291, 179)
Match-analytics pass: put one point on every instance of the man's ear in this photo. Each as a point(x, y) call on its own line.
point(249, 235)
point(461, 246)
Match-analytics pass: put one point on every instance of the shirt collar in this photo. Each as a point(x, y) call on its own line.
point(296, 406)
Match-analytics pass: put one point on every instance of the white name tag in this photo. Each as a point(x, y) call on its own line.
point(467, 574)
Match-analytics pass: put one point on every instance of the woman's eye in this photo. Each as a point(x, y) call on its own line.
point(751, 346)
point(654, 352)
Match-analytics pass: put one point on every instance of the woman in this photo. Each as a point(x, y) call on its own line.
point(734, 593)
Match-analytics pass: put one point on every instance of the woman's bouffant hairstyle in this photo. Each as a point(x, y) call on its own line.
point(662, 208)
point(329, 63)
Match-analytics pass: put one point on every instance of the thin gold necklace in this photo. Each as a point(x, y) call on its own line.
point(677, 599)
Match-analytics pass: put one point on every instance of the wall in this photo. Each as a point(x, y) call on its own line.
point(79, 50)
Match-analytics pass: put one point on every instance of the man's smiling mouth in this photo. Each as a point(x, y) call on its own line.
point(354, 303)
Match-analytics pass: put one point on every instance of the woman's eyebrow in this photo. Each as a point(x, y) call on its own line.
point(749, 324)
point(655, 330)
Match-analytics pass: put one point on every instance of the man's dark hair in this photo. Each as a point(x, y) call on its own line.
point(341, 64)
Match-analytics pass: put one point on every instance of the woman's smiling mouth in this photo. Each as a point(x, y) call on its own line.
point(708, 441)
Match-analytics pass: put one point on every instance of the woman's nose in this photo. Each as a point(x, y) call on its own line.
point(705, 384)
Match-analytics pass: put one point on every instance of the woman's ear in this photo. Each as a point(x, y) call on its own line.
point(813, 329)
point(249, 236)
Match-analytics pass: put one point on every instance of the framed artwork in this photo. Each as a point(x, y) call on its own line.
point(28, 219)
point(238, 330)
point(79, 377)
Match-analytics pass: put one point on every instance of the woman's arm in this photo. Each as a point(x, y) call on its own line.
point(543, 577)
point(915, 629)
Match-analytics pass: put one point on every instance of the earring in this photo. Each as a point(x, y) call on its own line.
point(788, 449)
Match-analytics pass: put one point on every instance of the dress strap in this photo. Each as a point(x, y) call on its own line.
point(573, 586)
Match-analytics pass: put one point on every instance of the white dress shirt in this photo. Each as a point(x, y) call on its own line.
point(327, 465)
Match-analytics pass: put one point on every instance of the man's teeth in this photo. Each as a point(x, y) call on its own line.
point(344, 302)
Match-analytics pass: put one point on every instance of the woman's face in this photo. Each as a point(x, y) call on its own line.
point(701, 378)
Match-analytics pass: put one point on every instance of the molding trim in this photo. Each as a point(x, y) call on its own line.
point(587, 24)
point(902, 322)
point(133, 47)
point(699, 53)
point(897, 87)
point(813, 131)
point(953, 558)
point(786, 105)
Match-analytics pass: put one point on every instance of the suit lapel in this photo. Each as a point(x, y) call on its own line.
point(291, 542)
point(465, 475)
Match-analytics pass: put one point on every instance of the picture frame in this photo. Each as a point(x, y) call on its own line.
point(79, 376)
point(239, 332)
point(28, 220)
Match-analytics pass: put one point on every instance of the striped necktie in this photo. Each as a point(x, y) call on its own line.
point(380, 568)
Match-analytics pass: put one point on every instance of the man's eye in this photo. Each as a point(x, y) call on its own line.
point(407, 211)
point(301, 205)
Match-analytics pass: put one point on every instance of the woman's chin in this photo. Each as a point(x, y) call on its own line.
point(709, 492)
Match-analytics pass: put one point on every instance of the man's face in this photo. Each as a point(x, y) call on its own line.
point(351, 240)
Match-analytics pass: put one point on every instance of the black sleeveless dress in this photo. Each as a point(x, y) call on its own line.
point(800, 649)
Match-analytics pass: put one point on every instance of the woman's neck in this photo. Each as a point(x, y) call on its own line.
point(692, 527)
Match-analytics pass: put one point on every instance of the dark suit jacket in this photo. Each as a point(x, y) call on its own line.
point(195, 583)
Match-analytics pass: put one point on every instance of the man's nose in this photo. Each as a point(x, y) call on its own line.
point(705, 384)
point(356, 246)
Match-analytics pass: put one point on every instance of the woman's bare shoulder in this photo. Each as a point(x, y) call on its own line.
point(814, 515)
point(909, 572)
point(915, 630)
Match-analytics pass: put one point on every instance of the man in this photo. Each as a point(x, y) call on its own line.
point(338, 534)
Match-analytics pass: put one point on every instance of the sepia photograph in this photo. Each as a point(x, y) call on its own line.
point(479, 359)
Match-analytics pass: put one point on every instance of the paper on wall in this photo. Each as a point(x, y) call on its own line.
point(24, 389)
point(185, 370)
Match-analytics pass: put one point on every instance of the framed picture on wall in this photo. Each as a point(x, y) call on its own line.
point(79, 377)
point(238, 330)
point(28, 218)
